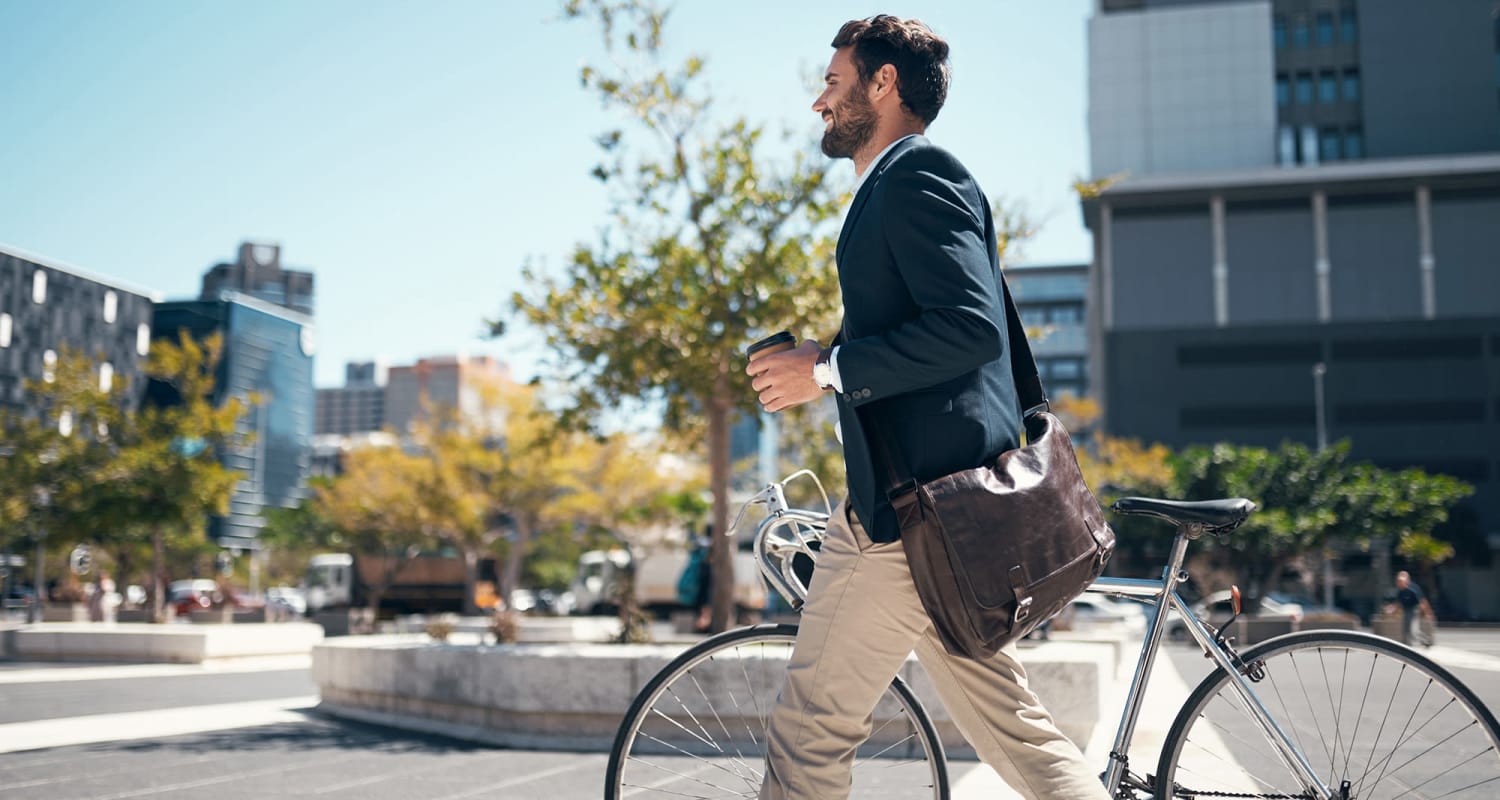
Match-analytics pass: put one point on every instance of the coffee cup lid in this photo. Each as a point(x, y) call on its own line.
point(784, 337)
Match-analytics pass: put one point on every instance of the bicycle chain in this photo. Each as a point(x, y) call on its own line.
point(1303, 796)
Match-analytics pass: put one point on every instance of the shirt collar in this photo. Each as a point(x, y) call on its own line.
point(874, 162)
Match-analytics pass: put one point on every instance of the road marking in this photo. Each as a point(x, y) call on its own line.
point(1463, 659)
point(490, 788)
point(69, 731)
point(120, 671)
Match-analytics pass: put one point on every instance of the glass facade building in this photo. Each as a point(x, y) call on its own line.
point(268, 352)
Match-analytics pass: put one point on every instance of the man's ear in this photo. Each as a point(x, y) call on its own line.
point(883, 82)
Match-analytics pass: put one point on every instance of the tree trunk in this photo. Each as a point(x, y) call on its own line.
point(471, 580)
point(515, 557)
point(721, 547)
point(158, 586)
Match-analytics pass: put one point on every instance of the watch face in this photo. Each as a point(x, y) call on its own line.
point(306, 341)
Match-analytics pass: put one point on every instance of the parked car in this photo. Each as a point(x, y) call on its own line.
point(187, 596)
point(1216, 608)
point(1096, 611)
point(1317, 615)
point(287, 600)
point(201, 594)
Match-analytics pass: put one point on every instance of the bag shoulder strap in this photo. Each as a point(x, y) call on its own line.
point(1023, 371)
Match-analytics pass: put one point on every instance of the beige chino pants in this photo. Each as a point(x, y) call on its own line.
point(862, 619)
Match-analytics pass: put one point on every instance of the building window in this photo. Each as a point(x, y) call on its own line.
point(49, 366)
point(5, 324)
point(111, 305)
point(143, 339)
point(1283, 91)
point(1304, 88)
point(1278, 31)
point(39, 286)
point(106, 376)
point(1354, 143)
point(1348, 26)
point(1299, 32)
point(1328, 87)
point(1330, 147)
point(1324, 28)
point(1351, 85)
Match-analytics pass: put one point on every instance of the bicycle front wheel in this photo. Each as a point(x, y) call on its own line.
point(697, 729)
point(1364, 712)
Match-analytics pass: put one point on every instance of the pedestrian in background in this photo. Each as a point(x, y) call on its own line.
point(1414, 609)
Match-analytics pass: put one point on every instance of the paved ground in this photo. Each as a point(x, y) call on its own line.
point(249, 730)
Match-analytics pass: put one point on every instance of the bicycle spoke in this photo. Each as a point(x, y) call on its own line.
point(1427, 736)
point(698, 728)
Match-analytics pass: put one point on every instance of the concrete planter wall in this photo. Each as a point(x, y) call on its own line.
point(572, 696)
point(136, 643)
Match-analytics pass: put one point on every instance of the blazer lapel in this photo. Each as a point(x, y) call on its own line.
point(858, 204)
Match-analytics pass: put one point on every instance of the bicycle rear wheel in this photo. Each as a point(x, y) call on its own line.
point(1361, 709)
point(697, 729)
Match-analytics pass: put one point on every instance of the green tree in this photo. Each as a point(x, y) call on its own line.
point(51, 453)
point(378, 509)
point(710, 245)
point(291, 536)
point(1305, 496)
point(165, 477)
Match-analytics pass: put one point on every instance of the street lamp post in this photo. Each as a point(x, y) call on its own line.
point(1319, 415)
point(1318, 371)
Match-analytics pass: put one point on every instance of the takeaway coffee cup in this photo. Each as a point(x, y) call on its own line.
point(775, 343)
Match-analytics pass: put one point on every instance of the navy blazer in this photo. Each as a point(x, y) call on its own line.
point(923, 351)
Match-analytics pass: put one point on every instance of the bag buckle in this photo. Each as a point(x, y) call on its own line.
point(1023, 610)
point(1023, 599)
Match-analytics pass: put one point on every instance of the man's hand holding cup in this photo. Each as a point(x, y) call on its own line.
point(782, 374)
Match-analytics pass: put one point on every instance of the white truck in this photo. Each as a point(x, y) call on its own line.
point(657, 571)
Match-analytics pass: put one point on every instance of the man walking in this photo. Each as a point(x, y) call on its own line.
point(1414, 608)
point(922, 359)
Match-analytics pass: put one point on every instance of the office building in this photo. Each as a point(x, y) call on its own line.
point(464, 383)
point(356, 407)
point(1341, 243)
point(268, 352)
point(257, 272)
point(1051, 299)
point(47, 308)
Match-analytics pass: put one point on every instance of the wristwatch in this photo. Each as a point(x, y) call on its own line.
point(823, 369)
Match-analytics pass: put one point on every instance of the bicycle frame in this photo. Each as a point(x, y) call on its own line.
point(1163, 595)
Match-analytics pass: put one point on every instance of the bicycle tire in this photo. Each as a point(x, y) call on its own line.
point(1417, 731)
point(681, 744)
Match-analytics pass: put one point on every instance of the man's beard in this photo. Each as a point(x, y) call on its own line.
point(853, 125)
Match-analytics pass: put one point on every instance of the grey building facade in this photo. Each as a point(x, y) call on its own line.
point(1052, 301)
point(268, 351)
point(47, 307)
point(1365, 240)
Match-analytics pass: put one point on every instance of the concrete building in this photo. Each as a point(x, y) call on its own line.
point(257, 272)
point(268, 351)
point(47, 307)
point(1352, 253)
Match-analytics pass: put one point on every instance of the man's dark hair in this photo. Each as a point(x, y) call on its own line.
point(919, 56)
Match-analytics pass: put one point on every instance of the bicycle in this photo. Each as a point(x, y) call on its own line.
point(1311, 715)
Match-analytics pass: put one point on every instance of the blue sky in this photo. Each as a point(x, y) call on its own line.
point(414, 154)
